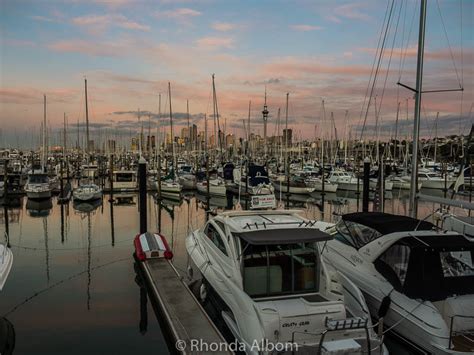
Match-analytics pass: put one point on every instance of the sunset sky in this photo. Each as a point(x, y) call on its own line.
point(315, 50)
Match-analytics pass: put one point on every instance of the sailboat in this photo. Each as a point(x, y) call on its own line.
point(87, 191)
point(38, 185)
point(170, 183)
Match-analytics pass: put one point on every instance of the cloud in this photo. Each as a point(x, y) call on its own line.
point(106, 49)
point(28, 95)
point(181, 15)
point(223, 26)
point(350, 11)
point(98, 23)
point(215, 42)
point(305, 28)
point(42, 18)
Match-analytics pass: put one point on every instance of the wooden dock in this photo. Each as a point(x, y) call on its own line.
point(182, 313)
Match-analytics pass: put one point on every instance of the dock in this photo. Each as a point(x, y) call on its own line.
point(182, 313)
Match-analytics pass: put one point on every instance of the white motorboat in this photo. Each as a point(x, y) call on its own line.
point(317, 183)
point(87, 192)
point(187, 181)
point(418, 279)
point(6, 262)
point(401, 182)
point(345, 180)
point(431, 180)
point(374, 182)
point(216, 187)
point(263, 274)
point(38, 185)
point(297, 186)
point(170, 186)
point(124, 180)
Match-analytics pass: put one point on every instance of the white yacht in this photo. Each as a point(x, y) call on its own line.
point(6, 262)
point(216, 187)
point(124, 180)
point(430, 180)
point(418, 279)
point(38, 185)
point(297, 186)
point(262, 272)
point(87, 192)
point(170, 186)
point(345, 180)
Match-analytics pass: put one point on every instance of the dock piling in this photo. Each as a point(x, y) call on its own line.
point(142, 194)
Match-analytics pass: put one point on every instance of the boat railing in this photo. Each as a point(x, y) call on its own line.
point(464, 334)
point(264, 225)
point(333, 325)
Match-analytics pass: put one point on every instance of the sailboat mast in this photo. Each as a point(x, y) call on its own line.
point(87, 118)
point(43, 158)
point(171, 128)
point(436, 137)
point(413, 207)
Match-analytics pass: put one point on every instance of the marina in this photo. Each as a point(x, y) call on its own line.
point(274, 194)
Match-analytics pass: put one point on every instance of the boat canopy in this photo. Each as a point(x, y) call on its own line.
point(284, 236)
point(386, 223)
point(430, 268)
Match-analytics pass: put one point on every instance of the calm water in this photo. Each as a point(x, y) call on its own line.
point(73, 287)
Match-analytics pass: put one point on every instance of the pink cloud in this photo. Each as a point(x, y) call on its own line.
point(223, 26)
point(109, 49)
point(98, 23)
point(182, 15)
point(215, 42)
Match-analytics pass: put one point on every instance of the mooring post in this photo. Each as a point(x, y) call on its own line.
point(142, 194)
point(365, 184)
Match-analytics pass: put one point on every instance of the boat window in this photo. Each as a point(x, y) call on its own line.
point(38, 179)
point(457, 263)
point(355, 234)
point(121, 177)
point(270, 270)
point(393, 265)
point(215, 237)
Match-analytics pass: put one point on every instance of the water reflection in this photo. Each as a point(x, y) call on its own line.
point(39, 208)
point(7, 337)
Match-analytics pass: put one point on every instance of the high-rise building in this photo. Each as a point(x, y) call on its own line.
point(287, 134)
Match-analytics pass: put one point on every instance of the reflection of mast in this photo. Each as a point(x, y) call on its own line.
point(62, 223)
point(112, 227)
point(88, 261)
point(46, 247)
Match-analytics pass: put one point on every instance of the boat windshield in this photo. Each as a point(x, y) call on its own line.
point(123, 177)
point(38, 179)
point(281, 269)
point(457, 263)
point(355, 234)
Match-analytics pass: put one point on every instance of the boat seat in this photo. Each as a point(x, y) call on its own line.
point(256, 282)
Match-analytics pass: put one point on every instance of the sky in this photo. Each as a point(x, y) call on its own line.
point(315, 50)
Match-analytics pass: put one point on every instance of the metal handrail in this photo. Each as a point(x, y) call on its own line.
point(265, 225)
point(361, 325)
point(451, 326)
